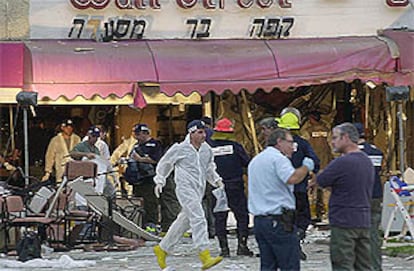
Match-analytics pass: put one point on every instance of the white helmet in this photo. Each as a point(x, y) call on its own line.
point(291, 110)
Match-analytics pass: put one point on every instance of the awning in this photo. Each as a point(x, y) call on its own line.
point(11, 70)
point(72, 68)
point(219, 65)
point(405, 41)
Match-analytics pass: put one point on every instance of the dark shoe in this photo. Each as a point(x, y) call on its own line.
point(303, 256)
point(224, 246)
point(242, 248)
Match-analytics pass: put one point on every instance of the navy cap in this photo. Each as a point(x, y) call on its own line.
point(141, 128)
point(195, 124)
point(360, 128)
point(94, 131)
point(67, 122)
point(207, 120)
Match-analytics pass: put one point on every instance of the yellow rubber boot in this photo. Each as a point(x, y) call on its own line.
point(161, 256)
point(207, 260)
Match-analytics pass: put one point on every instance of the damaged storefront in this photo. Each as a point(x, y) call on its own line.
point(118, 63)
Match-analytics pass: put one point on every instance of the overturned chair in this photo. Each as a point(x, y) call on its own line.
point(101, 205)
point(75, 218)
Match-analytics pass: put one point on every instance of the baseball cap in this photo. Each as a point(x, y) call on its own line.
point(94, 131)
point(141, 128)
point(194, 125)
point(207, 120)
point(67, 122)
point(288, 121)
point(360, 128)
point(224, 125)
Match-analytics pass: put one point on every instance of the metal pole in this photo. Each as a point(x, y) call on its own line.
point(26, 147)
point(11, 127)
point(401, 137)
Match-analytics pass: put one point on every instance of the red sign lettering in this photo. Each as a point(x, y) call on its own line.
point(186, 3)
point(398, 3)
point(95, 4)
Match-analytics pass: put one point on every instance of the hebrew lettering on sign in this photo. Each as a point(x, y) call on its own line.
point(113, 28)
point(200, 28)
point(271, 27)
point(77, 24)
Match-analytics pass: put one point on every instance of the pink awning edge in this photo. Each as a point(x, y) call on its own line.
point(73, 68)
point(11, 65)
point(77, 67)
point(405, 41)
point(266, 64)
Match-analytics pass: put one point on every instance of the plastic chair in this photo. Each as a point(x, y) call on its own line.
point(15, 216)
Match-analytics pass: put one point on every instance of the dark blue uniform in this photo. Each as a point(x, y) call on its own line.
point(230, 158)
point(376, 157)
point(153, 149)
point(303, 149)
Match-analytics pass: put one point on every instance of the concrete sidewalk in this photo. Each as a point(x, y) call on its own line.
point(185, 257)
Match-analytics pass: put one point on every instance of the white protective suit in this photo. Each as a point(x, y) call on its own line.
point(57, 154)
point(192, 169)
point(104, 169)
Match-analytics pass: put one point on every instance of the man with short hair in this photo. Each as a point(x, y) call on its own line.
point(290, 119)
point(272, 202)
point(351, 178)
point(193, 164)
point(376, 157)
point(267, 126)
point(57, 153)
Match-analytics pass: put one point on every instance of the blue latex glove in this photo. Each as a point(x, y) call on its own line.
point(307, 162)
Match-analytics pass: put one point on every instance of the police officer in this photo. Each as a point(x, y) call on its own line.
point(290, 119)
point(231, 158)
point(148, 151)
point(376, 157)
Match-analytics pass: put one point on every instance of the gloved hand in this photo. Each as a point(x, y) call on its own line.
point(46, 177)
point(158, 190)
point(307, 162)
point(220, 184)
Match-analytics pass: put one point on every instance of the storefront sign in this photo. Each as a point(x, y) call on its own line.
point(155, 4)
point(108, 20)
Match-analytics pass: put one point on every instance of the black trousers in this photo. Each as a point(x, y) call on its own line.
point(237, 203)
point(303, 216)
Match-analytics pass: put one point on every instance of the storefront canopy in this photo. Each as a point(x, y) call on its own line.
point(405, 43)
point(11, 70)
point(86, 68)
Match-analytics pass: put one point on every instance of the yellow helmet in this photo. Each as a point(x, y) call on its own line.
point(292, 110)
point(288, 121)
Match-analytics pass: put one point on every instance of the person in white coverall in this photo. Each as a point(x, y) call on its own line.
point(193, 163)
